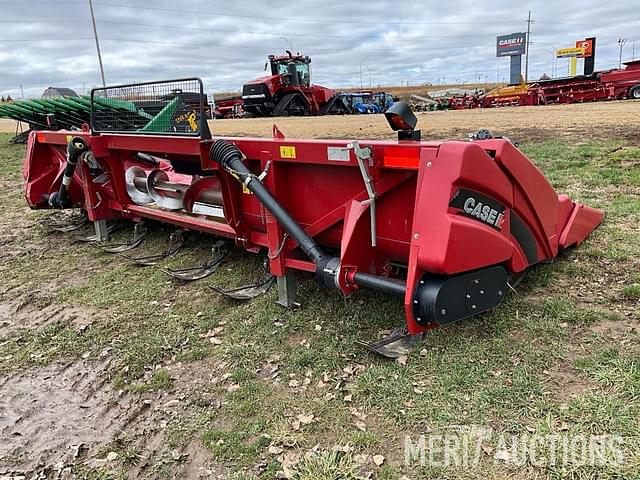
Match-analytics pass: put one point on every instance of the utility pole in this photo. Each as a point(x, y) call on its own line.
point(95, 34)
point(621, 43)
point(526, 53)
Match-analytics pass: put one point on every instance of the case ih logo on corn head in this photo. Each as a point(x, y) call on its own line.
point(447, 227)
point(289, 91)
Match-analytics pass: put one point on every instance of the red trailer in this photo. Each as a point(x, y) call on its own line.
point(623, 83)
point(228, 108)
point(446, 226)
point(617, 84)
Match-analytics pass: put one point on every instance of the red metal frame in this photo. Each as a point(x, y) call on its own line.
point(320, 184)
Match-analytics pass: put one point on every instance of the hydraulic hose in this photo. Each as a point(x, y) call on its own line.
point(61, 199)
point(228, 155)
point(230, 158)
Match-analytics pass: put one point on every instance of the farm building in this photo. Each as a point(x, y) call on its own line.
point(53, 92)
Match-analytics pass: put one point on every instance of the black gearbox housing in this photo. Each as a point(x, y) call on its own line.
point(444, 299)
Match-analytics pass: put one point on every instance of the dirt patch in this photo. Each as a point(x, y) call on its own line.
point(28, 306)
point(566, 383)
point(619, 332)
point(54, 418)
point(57, 415)
point(178, 407)
point(564, 379)
point(21, 234)
point(30, 312)
point(198, 463)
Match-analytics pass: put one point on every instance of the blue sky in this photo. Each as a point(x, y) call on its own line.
point(47, 43)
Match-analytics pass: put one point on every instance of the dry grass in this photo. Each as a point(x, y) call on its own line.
point(576, 123)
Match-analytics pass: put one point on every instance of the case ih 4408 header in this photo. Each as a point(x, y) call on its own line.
point(445, 226)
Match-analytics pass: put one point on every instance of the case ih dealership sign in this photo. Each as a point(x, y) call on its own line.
point(512, 44)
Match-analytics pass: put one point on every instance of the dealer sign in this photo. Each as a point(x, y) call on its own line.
point(511, 45)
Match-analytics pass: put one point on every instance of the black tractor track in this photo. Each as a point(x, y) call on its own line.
point(291, 104)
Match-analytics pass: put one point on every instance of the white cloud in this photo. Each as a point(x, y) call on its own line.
point(227, 43)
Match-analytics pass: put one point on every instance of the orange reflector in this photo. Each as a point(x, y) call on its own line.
point(401, 157)
point(399, 122)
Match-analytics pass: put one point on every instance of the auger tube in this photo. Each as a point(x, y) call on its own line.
point(60, 199)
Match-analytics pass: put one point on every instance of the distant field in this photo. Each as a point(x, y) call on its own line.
point(579, 122)
point(401, 92)
point(404, 92)
point(8, 126)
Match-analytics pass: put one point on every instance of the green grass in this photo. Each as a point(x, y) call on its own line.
point(327, 465)
point(632, 291)
point(268, 367)
point(160, 380)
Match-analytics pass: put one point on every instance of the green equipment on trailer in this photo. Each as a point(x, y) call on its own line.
point(74, 113)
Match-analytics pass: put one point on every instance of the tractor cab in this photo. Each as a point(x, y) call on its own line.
point(293, 68)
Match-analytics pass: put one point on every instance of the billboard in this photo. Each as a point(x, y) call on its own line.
point(587, 45)
point(510, 45)
point(569, 52)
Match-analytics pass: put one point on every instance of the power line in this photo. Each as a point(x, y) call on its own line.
point(212, 45)
point(271, 34)
point(49, 20)
point(41, 3)
point(272, 48)
point(20, 40)
point(293, 19)
point(312, 20)
point(251, 47)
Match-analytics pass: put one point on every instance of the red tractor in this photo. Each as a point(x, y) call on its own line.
point(289, 91)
